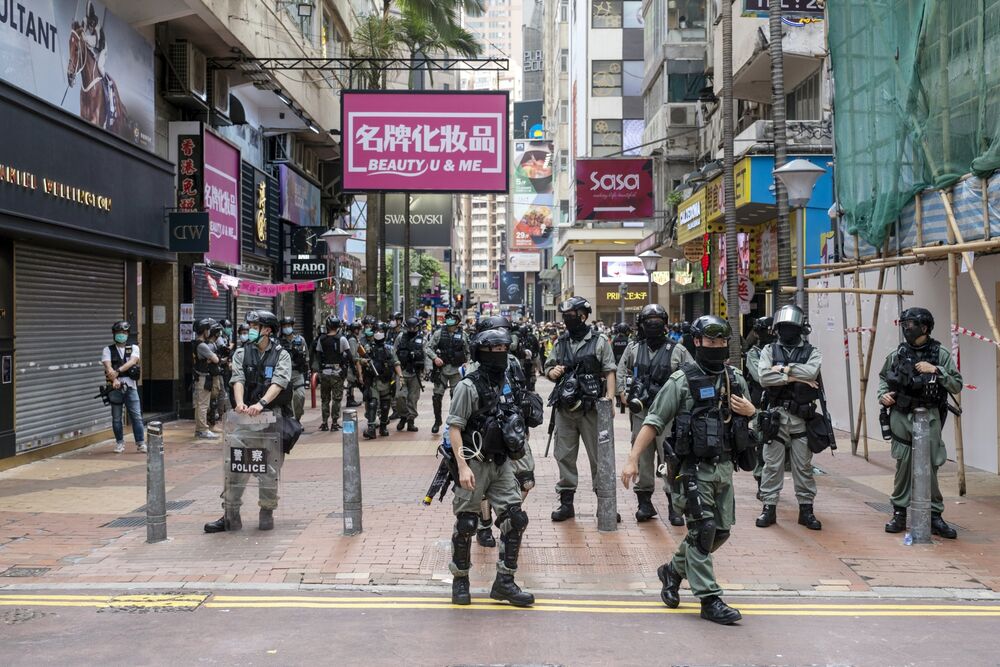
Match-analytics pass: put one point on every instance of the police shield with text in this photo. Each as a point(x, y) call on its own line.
point(410, 352)
point(643, 369)
point(447, 350)
point(706, 403)
point(583, 367)
point(485, 441)
point(789, 370)
point(919, 373)
point(333, 359)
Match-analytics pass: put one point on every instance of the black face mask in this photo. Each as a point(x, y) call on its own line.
point(911, 332)
point(493, 363)
point(765, 337)
point(655, 331)
point(789, 335)
point(576, 327)
point(712, 359)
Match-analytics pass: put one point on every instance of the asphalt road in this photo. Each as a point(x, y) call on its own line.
point(267, 628)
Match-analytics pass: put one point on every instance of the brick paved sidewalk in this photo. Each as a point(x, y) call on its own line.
point(58, 526)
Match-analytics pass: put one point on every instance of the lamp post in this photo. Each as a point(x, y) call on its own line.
point(336, 245)
point(414, 284)
point(622, 287)
point(799, 177)
point(649, 259)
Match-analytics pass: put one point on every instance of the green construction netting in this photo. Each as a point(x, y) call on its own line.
point(917, 101)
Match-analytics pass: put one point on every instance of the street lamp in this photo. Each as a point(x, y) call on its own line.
point(336, 245)
point(649, 259)
point(414, 284)
point(799, 177)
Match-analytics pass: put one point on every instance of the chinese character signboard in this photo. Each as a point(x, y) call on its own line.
point(299, 198)
point(614, 188)
point(190, 167)
point(400, 141)
point(222, 190)
point(83, 59)
point(431, 220)
point(532, 199)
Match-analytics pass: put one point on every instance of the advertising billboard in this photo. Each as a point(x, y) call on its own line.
point(402, 141)
point(222, 191)
point(299, 198)
point(511, 287)
point(83, 59)
point(532, 197)
point(621, 270)
point(528, 118)
point(614, 188)
point(431, 220)
point(524, 262)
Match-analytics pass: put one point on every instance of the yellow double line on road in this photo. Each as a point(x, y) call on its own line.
point(194, 600)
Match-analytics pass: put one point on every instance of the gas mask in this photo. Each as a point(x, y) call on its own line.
point(575, 325)
point(655, 331)
point(912, 331)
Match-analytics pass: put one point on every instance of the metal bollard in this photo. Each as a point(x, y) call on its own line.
point(156, 490)
point(920, 466)
point(607, 497)
point(352, 473)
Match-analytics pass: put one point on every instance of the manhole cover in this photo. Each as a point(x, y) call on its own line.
point(171, 506)
point(24, 571)
point(126, 522)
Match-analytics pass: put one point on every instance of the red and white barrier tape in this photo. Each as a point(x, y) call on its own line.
point(851, 330)
point(972, 334)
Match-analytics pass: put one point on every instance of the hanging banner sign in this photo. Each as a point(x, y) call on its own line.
point(614, 188)
point(300, 199)
point(221, 199)
point(306, 269)
point(402, 141)
point(188, 232)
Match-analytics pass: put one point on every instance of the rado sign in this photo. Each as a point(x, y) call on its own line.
point(306, 269)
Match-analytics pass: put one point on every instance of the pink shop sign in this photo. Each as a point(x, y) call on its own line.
point(222, 190)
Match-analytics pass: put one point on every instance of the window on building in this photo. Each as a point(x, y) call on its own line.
point(563, 112)
point(564, 61)
point(606, 78)
point(684, 86)
point(606, 13)
point(632, 79)
point(653, 99)
point(606, 136)
point(564, 211)
point(686, 20)
point(563, 11)
point(803, 102)
point(632, 14)
point(563, 161)
point(632, 129)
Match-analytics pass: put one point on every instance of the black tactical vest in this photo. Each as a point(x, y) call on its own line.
point(296, 347)
point(585, 364)
point(203, 366)
point(330, 354)
point(410, 351)
point(117, 361)
point(914, 389)
point(451, 347)
point(656, 366)
point(482, 428)
point(258, 370)
point(710, 431)
point(618, 345)
point(382, 359)
point(795, 396)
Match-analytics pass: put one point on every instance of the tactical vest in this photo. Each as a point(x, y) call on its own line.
point(618, 345)
point(330, 353)
point(203, 366)
point(655, 368)
point(258, 370)
point(516, 378)
point(914, 389)
point(585, 364)
point(117, 361)
point(451, 347)
point(382, 359)
point(756, 390)
point(411, 351)
point(709, 430)
point(796, 397)
point(297, 349)
point(481, 427)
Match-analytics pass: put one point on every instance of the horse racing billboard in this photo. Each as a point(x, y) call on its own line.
point(81, 58)
point(402, 141)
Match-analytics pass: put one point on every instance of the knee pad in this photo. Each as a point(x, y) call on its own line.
point(466, 524)
point(518, 519)
point(526, 479)
point(720, 538)
point(701, 535)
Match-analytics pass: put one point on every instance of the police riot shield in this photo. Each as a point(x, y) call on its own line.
point(251, 448)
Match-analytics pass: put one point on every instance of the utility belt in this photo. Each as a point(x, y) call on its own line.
point(906, 403)
point(333, 369)
point(801, 410)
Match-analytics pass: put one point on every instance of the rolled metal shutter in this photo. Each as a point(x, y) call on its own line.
point(65, 306)
point(299, 312)
point(258, 273)
point(205, 303)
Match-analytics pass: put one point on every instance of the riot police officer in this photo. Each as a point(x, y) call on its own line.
point(583, 367)
point(620, 341)
point(762, 327)
point(333, 359)
point(383, 372)
point(705, 401)
point(447, 350)
point(206, 370)
point(485, 438)
point(297, 347)
point(354, 378)
point(410, 352)
point(530, 353)
point(789, 371)
point(262, 380)
point(687, 340)
point(644, 367)
point(919, 373)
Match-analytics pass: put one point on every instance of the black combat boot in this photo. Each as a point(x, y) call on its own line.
point(646, 510)
point(266, 520)
point(897, 523)
point(808, 519)
point(402, 424)
point(715, 610)
point(221, 525)
point(484, 535)
point(504, 588)
point(670, 593)
point(939, 527)
point(411, 427)
point(460, 591)
point(369, 433)
point(395, 415)
point(324, 427)
point(675, 517)
point(565, 509)
point(351, 403)
point(383, 429)
point(437, 414)
point(334, 426)
point(768, 516)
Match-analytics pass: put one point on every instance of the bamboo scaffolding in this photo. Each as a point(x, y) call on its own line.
point(953, 303)
point(945, 249)
point(867, 266)
point(870, 352)
point(853, 290)
point(862, 429)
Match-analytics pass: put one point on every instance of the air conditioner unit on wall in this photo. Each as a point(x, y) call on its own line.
point(218, 100)
point(186, 81)
point(682, 115)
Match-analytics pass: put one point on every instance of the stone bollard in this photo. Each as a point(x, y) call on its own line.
point(607, 497)
point(352, 474)
point(156, 490)
point(920, 465)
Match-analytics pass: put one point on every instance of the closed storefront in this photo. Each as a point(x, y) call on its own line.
point(258, 273)
point(210, 300)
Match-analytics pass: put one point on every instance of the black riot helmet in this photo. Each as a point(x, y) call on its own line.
point(711, 326)
point(121, 326)
point(242, 328)
point(368, 320)
point(215, 331)
point(264, 318)
point(486, 339)
point(226, 323)
point(493, 322)
point(623, 328)
point(763, 324)
point(204, 325)
point(398, 316)
point(412, 324)
point(289, 320)
point(575, 303)
point(712, 359)
point(333, 322)
point(652, 310)
point(921, 316)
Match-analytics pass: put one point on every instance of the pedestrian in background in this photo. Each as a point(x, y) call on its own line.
point(121, 368)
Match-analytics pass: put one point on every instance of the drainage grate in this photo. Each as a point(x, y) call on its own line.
point(171, 506)
point(24, 571)
point(126, 522)
point(885, 508)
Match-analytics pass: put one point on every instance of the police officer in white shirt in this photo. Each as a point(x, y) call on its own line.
point(121, 367)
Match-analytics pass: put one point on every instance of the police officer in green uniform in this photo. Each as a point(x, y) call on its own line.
point(297, 347)
point(789, 371)
point(620, 342)
point(410, 352)
point(704, 400)
point(919, 373)
point(333, 360)
point(262, 380)
point(643, 369)
point(384, 372)
point(762, 327)
point(447, 350)
point(354, 377)
point(583, 367)
point(484, 443)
